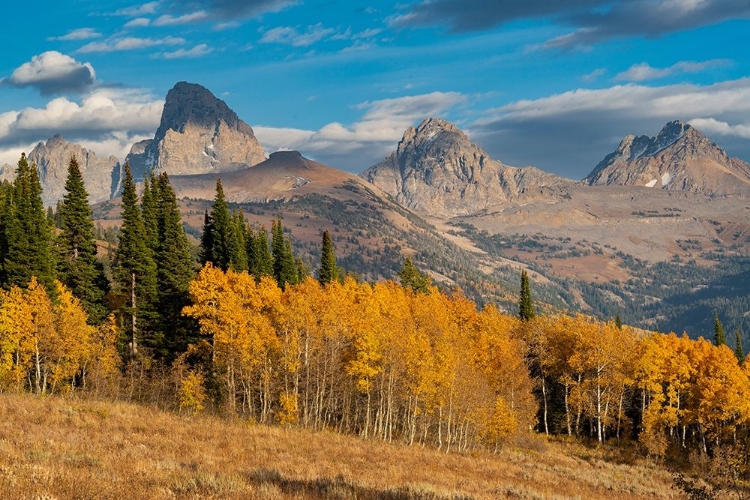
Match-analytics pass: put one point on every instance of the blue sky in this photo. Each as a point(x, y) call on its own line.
point(550, 83)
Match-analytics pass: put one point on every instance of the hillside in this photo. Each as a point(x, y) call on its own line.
point(67, 448)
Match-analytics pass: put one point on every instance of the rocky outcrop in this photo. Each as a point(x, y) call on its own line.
point(52, 159)
point(679, 158)
point(436, 170)
point(198, 134)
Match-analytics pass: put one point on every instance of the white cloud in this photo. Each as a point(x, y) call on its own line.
point(168, 20)
point(290, 36)
point(712, 126)
point(53, 72)
point(137, 10)
point(644, 71)
point(74, 35)
point(104, 116)
point(138, 22)
point(129, 43)
point(365, 142)
point(197, 51)
point(594, 75)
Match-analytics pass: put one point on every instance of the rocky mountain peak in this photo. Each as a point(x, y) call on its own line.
point(198, 134)
point(190, 103)
point(678, 158)
point(437, 170)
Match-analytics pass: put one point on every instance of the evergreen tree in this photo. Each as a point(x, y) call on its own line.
point(328, 271)
point(135, 270)
point(28, 234)
point(221, 231)
point(738, 351)
point(720, 337)
point(175, 269)
point(207, 240)
point(237, 243)
point(525, 302)
point(284, 267)
point(149, 202)
point(261, 260)
point(412, 278)
point(304, 269)
point(78, 266)
point(618, 322)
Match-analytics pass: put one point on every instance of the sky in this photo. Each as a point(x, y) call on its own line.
point(551, 83)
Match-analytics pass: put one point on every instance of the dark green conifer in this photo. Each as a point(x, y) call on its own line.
point(149, 202)
point(720, 337)
point(618, 322)
point(738, 351)
point(412, 278)
point(237, 243)
point(261, 261)
point(135, 271)
point(284, 267)
point(175, 270)
point(328, 271)
point(221, 231)
point(207, 240)
point(29, 235)
point(78, 266)
point(525, 302)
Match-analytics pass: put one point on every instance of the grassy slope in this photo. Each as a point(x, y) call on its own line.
point(64, 448)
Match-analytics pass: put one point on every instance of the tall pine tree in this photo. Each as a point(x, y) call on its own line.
point(29, 235)
point(720, 337)
point(135, 269)
point(78, 266)
point(411, 277)
point(738, 351)
point(217, 232)
point(525, 302)
point(175, 270)
point(328, 271)
point(237, 243)
point(149, 209)
point(284, 267)
point(260, 260)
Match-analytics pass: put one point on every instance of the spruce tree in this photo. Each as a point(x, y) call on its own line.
point(237, 243)
point(525, 302)
point(328, 271)
point(720, 337)
point(149, 202)
point(738, 351)
point(411, 277)
point(618, 322)
point(78, 266)
point(207, 240)
point(135, 270)
point(261, 260)
point(175, 270)
point(284, 267)
point(221, 230)
point(28, 233)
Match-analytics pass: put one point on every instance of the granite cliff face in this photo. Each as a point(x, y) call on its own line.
point(679, 158)
point(198, 134)
point(436, 170)
point(100, 174)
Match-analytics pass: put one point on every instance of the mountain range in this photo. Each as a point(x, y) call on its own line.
point(674, 203)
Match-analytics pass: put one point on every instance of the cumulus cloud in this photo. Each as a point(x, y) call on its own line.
point(644, 71)
point(129, 43)
point(138, 22)
point(76, 35)
point(591, 20)
point(290, 36)
point(570, 133)
point(51, 73)
point(367, 141)
point(197, 51)
point(110, 119)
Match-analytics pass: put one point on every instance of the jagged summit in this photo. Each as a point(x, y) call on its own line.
point(438, 171)
point(198, 133)
point(190, 103)
point(678, 158)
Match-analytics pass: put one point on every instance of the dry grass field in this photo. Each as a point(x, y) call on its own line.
point(58, 448)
